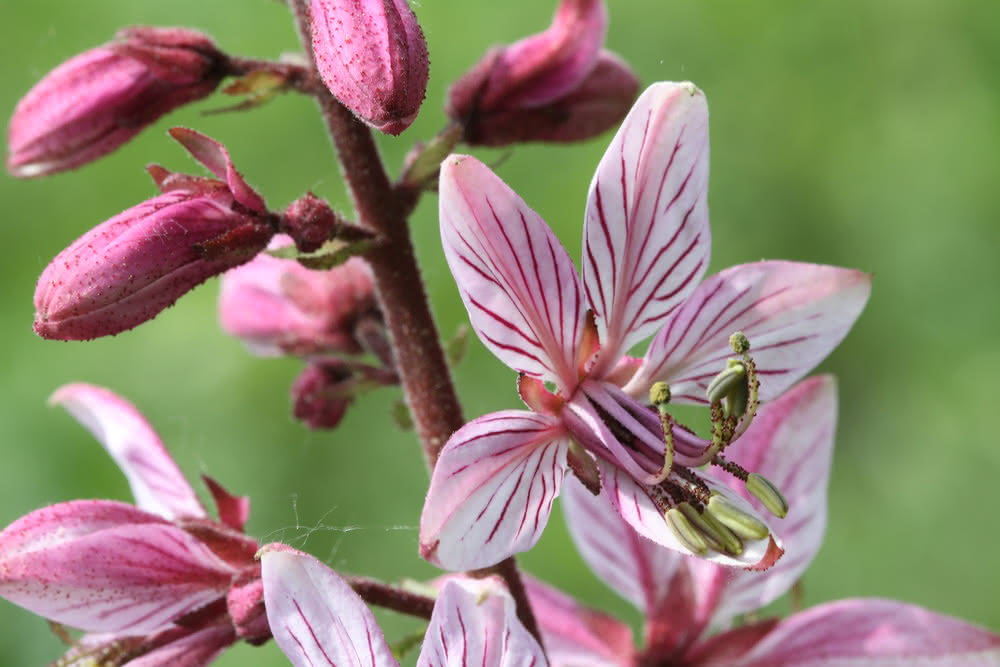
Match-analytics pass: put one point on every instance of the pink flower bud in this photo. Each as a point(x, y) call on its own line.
point(98, 100)
point(310, 222)
point(277, 306)
point(557, 85)
point(129, 268)
point(373, 58)
point(321, 394)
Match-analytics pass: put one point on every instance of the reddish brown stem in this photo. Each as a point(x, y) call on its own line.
point(419, 357)
point(391, 597)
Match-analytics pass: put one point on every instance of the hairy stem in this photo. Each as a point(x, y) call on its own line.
point(391, 597)
point(419, 357)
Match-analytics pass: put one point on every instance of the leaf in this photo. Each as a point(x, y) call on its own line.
point(333, 253)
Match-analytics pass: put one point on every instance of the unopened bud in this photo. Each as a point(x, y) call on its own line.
point(310, 222)
point(245, 604)
point(768, 494)
point(729, 380)
point(685, 533)
point(321, 395)
point(372, 56)
point(659, 394)
point(95, 102)
point(716, 535)
point(557, 85)
point(742, 524)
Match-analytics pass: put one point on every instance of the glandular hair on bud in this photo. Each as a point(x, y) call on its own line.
point(659, 393)
point(739, 342)
point(768, 494)
point(738, 521)
point(685, 532)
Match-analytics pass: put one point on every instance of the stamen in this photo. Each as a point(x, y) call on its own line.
point(738, 521)
point(685, 532)
point(732, 378)
point(717, 535)
point(768, 494)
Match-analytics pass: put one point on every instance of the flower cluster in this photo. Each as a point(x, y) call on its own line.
point(696, 531)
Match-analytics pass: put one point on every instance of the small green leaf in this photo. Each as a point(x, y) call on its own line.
point(457, 345)
point(404, 645)
point(426, 158)
point(333, 253)
point(401, 416)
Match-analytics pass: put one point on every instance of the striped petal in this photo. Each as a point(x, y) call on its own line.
point(315, 617)
point(791, 443)
point(635, 506)
point(577, 636)
point(646, 235)
point(492, 489)
point(518, 284)
point(473, 627)
point(157, 483)
point(104, 566)
point(873, 633)
point(794, 315)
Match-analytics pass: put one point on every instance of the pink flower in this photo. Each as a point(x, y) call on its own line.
point(129, 268)
point(646, 246)
point(318, 620)
point(98, 100)
point(682, 598)
point(372, 56)
point(277, 306)
point(558, 85)
point(157, 580)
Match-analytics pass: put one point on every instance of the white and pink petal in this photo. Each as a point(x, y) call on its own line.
point(873, 633)
point(107, 567)
point(315, 616)
point(492, 490)
point(646, 234)
point(156, 482)
point(516, 280)
point(793, 313)
point(474, 623)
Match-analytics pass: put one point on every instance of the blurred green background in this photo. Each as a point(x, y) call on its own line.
point(853, 133)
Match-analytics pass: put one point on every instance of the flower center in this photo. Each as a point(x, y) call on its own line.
point(664, 456)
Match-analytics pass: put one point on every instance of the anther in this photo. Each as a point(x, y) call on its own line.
point(659, 395)
point(738, 521)
point(685, 532)
point(739, 342)
point(715, 533)
point(731, 379)
point(768, 494)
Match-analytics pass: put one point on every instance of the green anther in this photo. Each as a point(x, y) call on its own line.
point(738, 521)
point(717, 535)
point(729, 380)
point(659, 394)
point(768, 494)
point(739, 342)
point(685, 532)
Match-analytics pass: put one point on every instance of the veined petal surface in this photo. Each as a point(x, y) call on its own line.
point(793, 313)
point(646, 236)
point(156, 482)
point(517, 281)
point(470, 628)
point(492, 489)
point(107, 567)
point(791, 443)
point(192, 650)
point(872, 633)
point(315, 616)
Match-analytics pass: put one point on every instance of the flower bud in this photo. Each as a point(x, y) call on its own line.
point(310, 222)
point(372, 56)
point(129, 268)
point(555, 86)
point(321, 394)
point(245, 604)
point(277, 306)
point(98, 100)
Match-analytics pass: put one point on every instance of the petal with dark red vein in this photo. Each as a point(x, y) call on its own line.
point(872, 633)
point(518, 284)
point(473, 626)
point(315, 616)
point(791, 443)
point(646, 238)
point(157, 483)
point(104, 566)
point(793, 313)
point(492, 489)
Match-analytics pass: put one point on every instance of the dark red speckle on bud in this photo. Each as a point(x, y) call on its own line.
point(310, 222)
